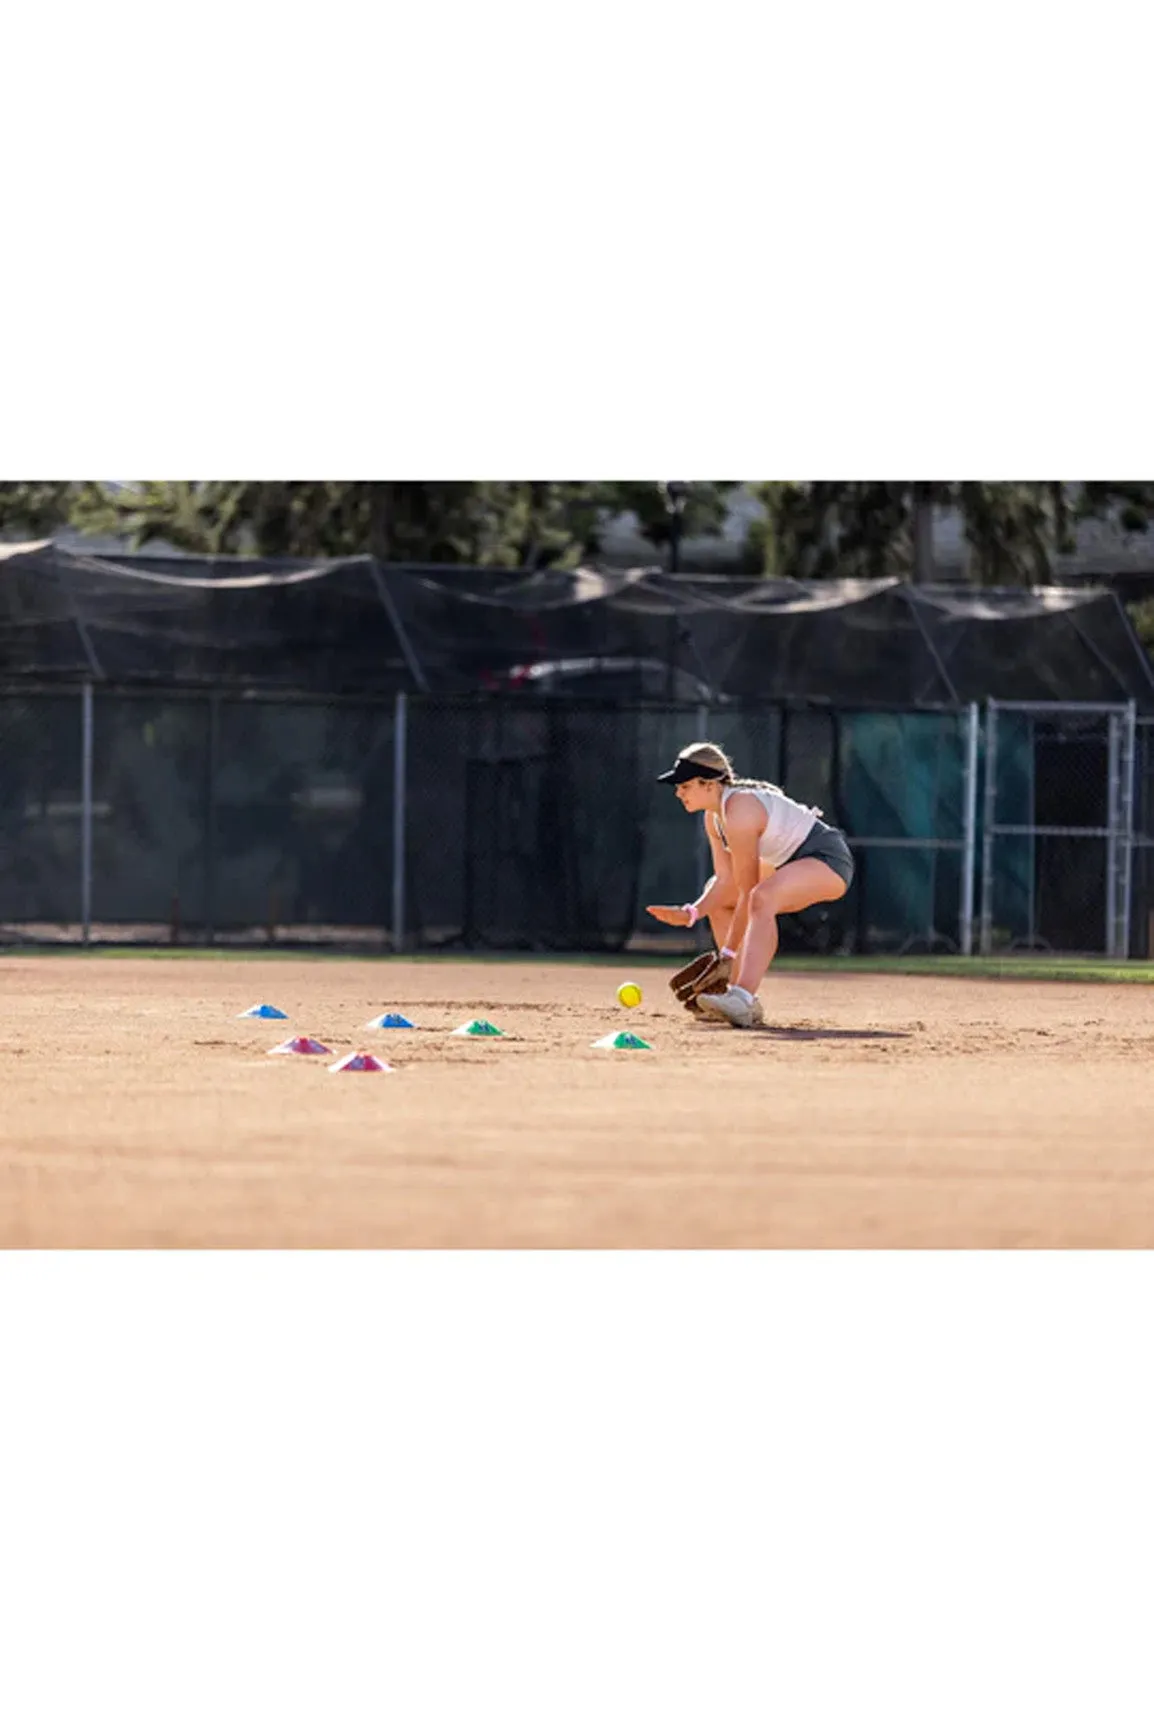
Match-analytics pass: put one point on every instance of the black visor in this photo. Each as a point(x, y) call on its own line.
point(685, 769)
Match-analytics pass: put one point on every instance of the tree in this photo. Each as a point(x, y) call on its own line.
point(815, 529)
point(293, 519)
point(1015, 529)
point(36, 509)
point(811, 529)
point(505, 523)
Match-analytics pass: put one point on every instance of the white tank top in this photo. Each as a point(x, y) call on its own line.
point(786, 822)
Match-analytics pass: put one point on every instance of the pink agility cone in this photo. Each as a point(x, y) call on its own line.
point(302, 1044)
point(359, 1061)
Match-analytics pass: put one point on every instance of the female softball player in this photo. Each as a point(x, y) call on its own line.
point(770, 856)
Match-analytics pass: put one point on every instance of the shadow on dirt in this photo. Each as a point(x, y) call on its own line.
point(771, 1033)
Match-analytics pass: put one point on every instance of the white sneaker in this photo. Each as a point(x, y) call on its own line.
point(734, 1006)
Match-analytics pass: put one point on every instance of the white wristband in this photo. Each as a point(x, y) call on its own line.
point(727, 952)
point(690, 908)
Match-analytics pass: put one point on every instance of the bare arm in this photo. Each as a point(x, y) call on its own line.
point(718, 889)
point(744, 822)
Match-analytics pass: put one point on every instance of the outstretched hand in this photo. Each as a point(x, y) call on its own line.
point(670, 916)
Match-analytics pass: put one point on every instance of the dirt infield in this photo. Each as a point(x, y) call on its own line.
point(875, 1112)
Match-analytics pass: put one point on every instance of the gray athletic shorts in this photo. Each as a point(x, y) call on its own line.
point(828, 845)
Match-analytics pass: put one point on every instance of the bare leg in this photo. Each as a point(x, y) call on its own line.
point(792, 888)
point(719, 922)
point(721, 917)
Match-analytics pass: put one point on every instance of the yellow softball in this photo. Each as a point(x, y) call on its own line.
point(629, 995)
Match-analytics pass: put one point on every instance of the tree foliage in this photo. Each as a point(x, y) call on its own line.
point(507, 523)
point(811, 529)
point(37, 509)
point(1014, 529)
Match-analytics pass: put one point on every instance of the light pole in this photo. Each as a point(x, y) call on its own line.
point(674, 495)
point(923, 511)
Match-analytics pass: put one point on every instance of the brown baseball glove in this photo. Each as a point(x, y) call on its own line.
point(705, 973)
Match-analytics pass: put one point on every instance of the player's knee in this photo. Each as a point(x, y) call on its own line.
point(762, 900)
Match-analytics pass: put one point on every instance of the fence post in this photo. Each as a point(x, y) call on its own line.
point(1130, 794)
point(400, 752)
point(704, 858)
point(990, 808)
point(969, 831)
point(1113, 830)
point(212, 754)
point(1120, 823)
point(86, 743)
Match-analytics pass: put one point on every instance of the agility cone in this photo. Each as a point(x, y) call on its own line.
point(358, 1061)
point(480, 1026)
point(623, 1042)
point(265, 1012)
point(391, 1020)
point(306, 1047)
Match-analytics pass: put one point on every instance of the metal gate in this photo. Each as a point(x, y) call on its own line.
point(1058, 827)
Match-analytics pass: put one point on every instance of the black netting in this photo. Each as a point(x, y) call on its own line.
point(1142, 859)
point(1056, 859)
point(541, 825)
point(1050, 893)
point(303, 829)
point(151, 811)
point(244, 743)
point(538, 823)
point(354, 627)
point(210, 816)
point(40, 810)
point(1142, 901)
point(900, 781)
point(525, 823)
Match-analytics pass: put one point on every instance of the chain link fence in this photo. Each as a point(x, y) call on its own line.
point(208, 817)
point(41, 806)
point(1142, 856)
point(530, 822)
point(1058, 832)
